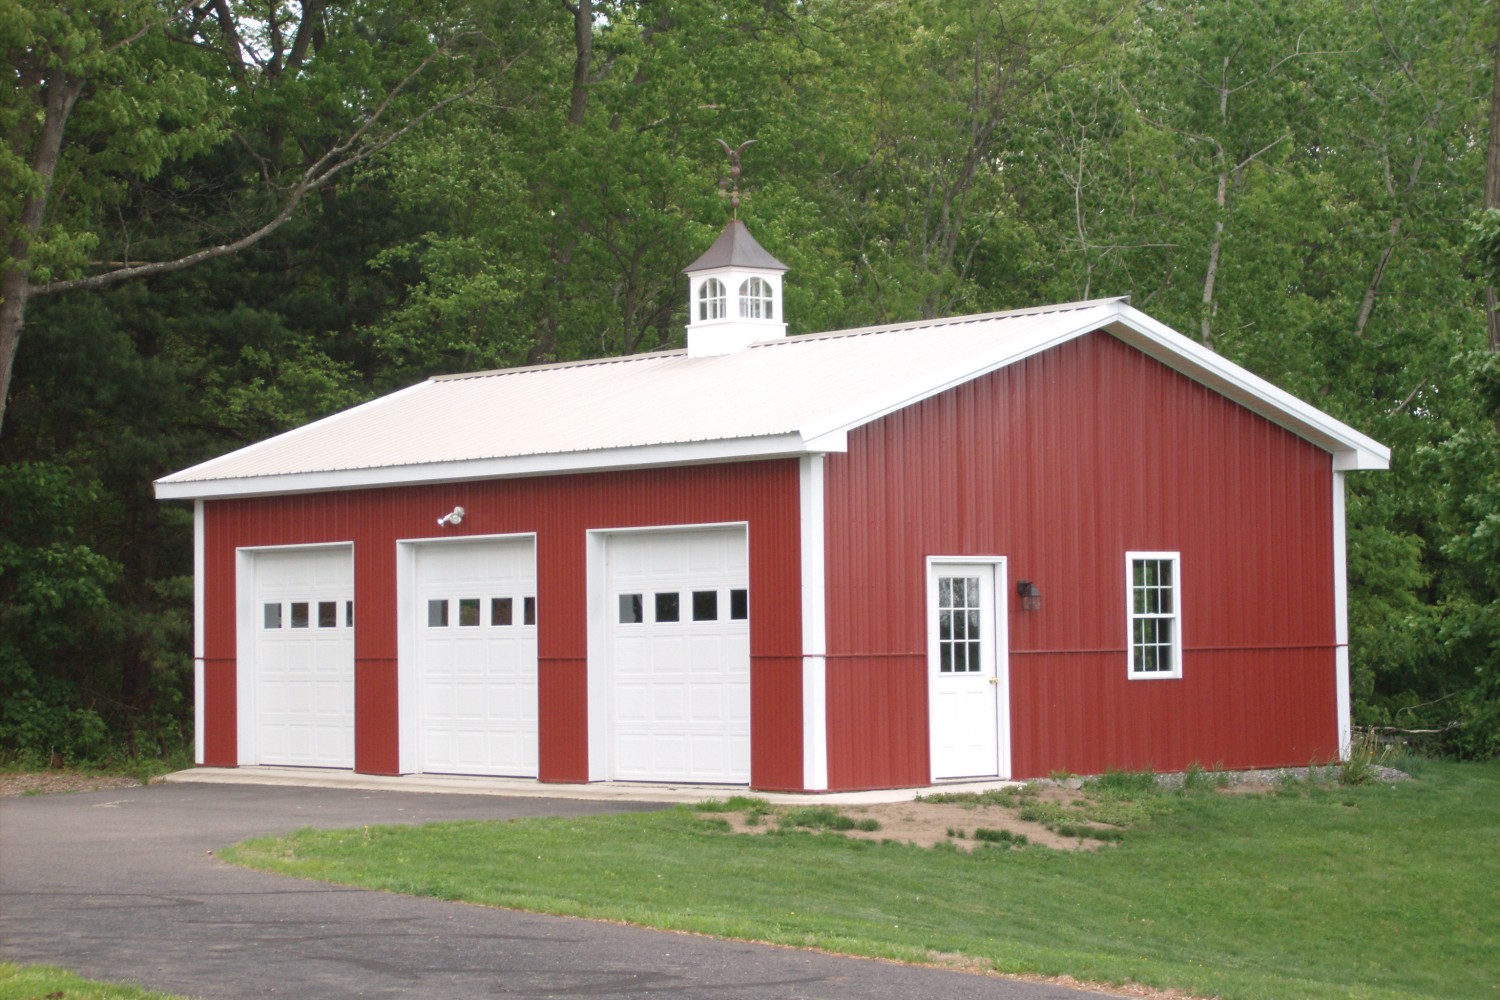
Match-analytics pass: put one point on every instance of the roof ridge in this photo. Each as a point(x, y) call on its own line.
point(556, 365)
point(918, 324)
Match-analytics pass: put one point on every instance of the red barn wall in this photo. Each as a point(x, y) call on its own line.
point(559, 510)
point(1062, 463)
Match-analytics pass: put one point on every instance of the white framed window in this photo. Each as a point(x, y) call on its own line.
point(755, 299)
point(712, 300)
point(1153, 591)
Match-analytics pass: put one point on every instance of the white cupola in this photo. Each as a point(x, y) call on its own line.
point(734, 295)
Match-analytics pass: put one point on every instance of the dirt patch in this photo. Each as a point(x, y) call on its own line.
point(965, 826)
point(54, 782)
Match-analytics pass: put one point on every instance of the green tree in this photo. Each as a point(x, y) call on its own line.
point(109, 95)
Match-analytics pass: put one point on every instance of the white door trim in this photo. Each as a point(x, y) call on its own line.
point(1002, 648)
point(246, 752)
point(596, 566)
point(408, 681)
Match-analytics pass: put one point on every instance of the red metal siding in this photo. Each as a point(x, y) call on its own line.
point(559, 510)
point(1062, 463)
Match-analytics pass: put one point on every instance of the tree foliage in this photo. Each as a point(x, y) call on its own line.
point(1288, 182)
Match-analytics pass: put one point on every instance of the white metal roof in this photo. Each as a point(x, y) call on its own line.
point(784, 397)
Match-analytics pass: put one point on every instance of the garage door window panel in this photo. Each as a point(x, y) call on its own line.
point(632, 609)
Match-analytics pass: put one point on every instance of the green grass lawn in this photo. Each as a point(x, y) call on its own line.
point(32, 982)
point(1374, 891)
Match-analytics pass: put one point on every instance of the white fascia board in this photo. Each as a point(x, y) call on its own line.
point(250, 449)
point(1351, 449)
point(605, 460)
point(831, 434)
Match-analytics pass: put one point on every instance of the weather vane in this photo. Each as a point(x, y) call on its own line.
point(732, 182)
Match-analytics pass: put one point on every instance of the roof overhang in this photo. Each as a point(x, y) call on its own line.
point(1350, 449)
point(827, 431)
point(516, 467)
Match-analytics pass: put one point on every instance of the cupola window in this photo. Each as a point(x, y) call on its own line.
point(755, 299)
point(711, 300)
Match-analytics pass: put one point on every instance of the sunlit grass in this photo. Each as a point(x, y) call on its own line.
point(31, 982)
point(1374, 891)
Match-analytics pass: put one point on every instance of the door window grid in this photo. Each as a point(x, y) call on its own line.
point(959, 638)
point(1155, 636)
point(668, 606)
point(470, 612)
point(306, 614)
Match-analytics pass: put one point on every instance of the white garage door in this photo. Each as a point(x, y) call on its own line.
point(304, 657)
point(476, 656)
point(679, 656)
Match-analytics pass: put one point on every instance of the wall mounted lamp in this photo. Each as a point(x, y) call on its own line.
point(1031, 596)
point(455, 517)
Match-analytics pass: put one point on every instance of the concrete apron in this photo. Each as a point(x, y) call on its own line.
point(633, 791)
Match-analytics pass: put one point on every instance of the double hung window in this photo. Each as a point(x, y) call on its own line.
point(1155, 621)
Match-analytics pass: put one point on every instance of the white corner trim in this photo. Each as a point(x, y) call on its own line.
point(1342, 693)
point(199, 563)
point(814, 626)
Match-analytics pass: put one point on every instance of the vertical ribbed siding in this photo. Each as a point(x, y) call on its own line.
point(559, 510)
point(1062, 463)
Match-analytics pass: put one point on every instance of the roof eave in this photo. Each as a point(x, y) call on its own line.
point(787, 445)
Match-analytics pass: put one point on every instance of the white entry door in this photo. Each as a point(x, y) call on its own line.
point(679, 665)
point(477, 657)
point(967, 675)
point(304, 657)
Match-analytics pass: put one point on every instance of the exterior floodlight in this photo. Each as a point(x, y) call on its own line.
point(455, 517)
point(1031, 596)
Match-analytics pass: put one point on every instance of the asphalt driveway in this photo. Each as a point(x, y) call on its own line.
point(122, 885)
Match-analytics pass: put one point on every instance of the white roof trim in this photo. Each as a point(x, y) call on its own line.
point(613, 459)
point(1351, 449)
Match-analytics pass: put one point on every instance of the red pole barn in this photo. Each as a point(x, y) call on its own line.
point(1064, 538)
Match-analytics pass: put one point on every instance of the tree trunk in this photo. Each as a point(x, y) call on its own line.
point(1211, 275)
point(1492, 196)
point(15, 284)
point(1492, 183)
point(583, 46)
point(14, 291)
